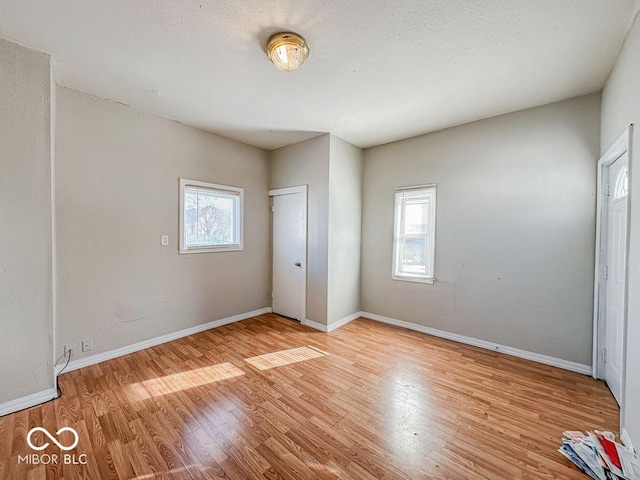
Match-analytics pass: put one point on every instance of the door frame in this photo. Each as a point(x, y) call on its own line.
point(621, 146)
point(303, 189)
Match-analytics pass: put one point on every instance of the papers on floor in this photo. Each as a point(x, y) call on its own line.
point(601, 455)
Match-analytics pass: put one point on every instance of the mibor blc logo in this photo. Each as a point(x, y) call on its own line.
point(53, 458)
point(46, 444)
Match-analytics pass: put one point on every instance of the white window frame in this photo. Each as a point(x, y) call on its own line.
point(430, 189)
point(239, 215)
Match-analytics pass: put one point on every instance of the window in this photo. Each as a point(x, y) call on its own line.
point(210, 217)
point(622, 184)
point(414, 234)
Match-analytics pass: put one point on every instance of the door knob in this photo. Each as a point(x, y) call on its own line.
point(298, 264)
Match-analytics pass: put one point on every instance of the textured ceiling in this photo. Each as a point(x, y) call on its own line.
point(378, 71)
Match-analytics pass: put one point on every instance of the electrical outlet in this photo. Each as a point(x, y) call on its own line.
point(164, 240)
point(70, 347)
point(87, 345)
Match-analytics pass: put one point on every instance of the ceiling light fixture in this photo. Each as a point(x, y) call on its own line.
point(287, 50)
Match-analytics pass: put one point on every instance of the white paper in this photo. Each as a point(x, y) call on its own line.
point(630, 462)
point(590, 457)
point(604, 455)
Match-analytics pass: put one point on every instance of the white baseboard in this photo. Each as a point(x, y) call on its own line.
point(152, 342)
point(516, 352)
point(315, 325)
point(332, 326)
point(28, 401)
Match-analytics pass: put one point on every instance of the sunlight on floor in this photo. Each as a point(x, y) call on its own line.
point(183, 380)
point(284, 357)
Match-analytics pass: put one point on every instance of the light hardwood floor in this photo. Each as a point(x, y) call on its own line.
point(269, 398)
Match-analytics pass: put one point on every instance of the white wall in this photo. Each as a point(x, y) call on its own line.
point(307, 163)
point(515, 228)
point(26, 300)
point(345, 218)
point(117, 193)
point(620, 108)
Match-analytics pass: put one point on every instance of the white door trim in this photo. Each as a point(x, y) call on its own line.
point(622, 145)
point(289, 190)
point(303, 189)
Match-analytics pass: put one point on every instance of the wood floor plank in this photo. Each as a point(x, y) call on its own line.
point(269, 398)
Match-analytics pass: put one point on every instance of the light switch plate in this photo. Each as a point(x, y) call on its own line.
point(165, 240)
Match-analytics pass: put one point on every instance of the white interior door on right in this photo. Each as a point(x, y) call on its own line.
point(290, 254)
point(615, 276)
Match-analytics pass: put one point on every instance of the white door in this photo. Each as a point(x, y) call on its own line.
point(616, 273)
point(289, 253)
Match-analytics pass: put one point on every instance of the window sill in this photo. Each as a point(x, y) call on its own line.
point(428, 281)
point(189, 251)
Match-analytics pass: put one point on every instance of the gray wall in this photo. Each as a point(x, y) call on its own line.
point(621, 107)
point(345, 218)
point(515, 228)
point(26, 300)
point(117, 193)
point(307, 163)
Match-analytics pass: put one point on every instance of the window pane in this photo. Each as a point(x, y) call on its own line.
point(622, 184)
point(209, 218)
point(413, 255)
point(416, 215)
